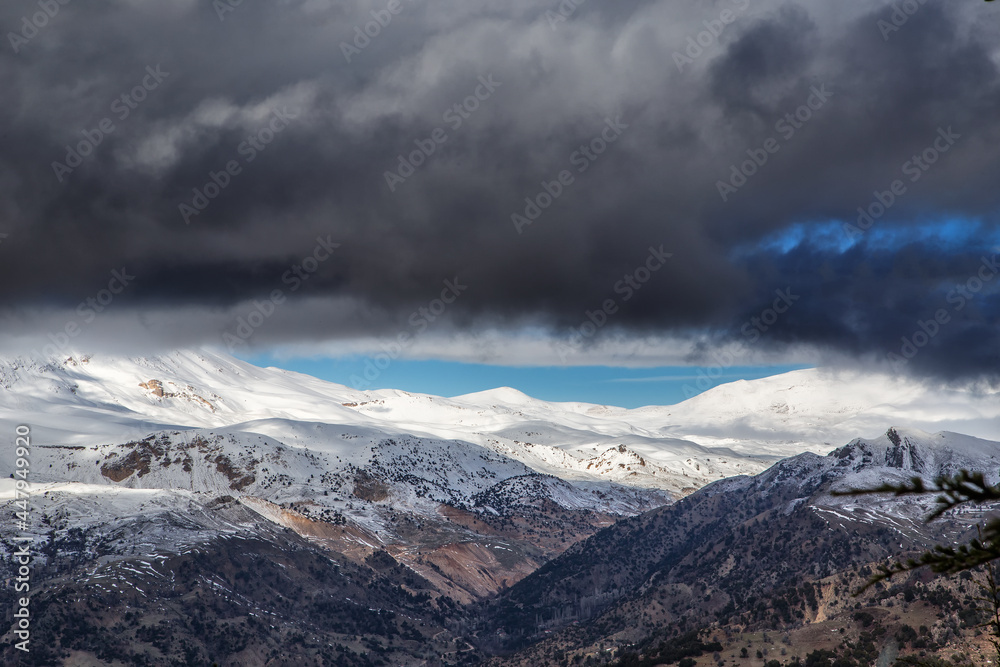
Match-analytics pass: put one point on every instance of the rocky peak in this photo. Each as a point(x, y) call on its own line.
point(903, 453)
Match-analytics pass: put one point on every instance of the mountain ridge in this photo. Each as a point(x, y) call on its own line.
point(145, 468)
point(737, 541)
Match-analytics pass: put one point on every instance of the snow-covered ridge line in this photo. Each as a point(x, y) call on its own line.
point(733, 429)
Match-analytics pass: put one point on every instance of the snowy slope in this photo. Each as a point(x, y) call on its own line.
point(289, 447)
point(817, 409)
point(84, 401)
point(737, 428)
point(150, 455)
point(895, 457)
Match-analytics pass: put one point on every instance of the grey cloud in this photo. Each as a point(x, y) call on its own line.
point(325, 173)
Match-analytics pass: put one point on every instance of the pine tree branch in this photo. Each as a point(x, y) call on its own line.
point(965, 487)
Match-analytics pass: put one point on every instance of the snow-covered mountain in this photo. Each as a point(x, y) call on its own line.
point(202, 423)
point(727, 554)
point(819, 409)
point(88, 401)
point(115, 441)
point(139, 464)
point(737, 428)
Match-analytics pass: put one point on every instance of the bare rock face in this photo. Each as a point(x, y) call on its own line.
point(369, 488)
point(138, 460)
point(188, 393)
point(153, 386)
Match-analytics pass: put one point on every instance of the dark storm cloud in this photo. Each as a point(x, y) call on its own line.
point(340, 126)
point(935, 312)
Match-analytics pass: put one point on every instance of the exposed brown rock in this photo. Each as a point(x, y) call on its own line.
point(238, 480)
point(368, 488)
point(137, 461)
point(153, 386)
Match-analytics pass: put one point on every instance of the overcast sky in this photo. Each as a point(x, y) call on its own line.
point(686, 169)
